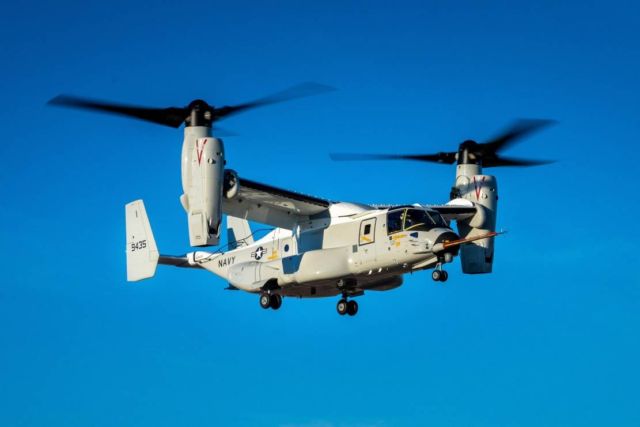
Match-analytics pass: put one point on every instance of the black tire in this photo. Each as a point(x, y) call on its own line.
point(436, 275)
point(265, 301)
point(342, 307)
point(444, 276)
point(276, 301)
point(352, 308)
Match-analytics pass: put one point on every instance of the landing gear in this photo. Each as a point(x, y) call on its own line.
point(352, 308)
point(347, 307)
point(342, 307)
point(265, 301)
point(273, 301)
point(276, 301)
point(439, 275)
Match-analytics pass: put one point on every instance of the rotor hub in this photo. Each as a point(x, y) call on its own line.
point(200, 114)
point(468, 153)
point(469, 144)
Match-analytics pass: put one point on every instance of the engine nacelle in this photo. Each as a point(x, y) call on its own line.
point(477, 257)
point(202, 182)
point(231, 184)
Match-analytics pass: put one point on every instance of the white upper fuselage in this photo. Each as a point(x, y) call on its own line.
point(353, 248)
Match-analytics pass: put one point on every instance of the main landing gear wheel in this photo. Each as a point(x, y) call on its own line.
point(265, 301)
point(273, 301)
point(439, 275)
point(347, 307)
point(276, 301)
point(342, 307)
point(352, 308)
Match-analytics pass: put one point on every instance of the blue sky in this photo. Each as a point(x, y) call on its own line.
point(551, 338)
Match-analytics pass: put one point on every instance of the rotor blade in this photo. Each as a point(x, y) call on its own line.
point(172, 116)
point(448, 158)
point(496, 161)
point(294, 92)
point(518, 130)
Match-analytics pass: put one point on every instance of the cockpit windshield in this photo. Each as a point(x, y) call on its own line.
point(413, 220)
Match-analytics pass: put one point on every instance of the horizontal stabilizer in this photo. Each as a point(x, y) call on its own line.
point(183, 261)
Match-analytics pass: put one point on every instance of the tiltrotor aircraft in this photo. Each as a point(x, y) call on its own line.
point(318, 248)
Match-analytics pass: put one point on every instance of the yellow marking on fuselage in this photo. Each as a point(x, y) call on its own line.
point(396, 239)
point(365, 238)
point(273, 256)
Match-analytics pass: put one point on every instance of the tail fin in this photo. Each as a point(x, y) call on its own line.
point(238, 232)
point(142, 252)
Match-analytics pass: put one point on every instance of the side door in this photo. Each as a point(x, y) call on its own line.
point(366, 241)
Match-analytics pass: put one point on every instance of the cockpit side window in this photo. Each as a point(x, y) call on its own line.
point(394, 221)
point(437, 218)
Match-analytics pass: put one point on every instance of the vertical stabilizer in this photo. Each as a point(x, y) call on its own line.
point(142, 252)
point(238, 232)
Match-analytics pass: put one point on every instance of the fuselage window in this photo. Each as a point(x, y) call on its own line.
point(367, 229)
point(394, 221)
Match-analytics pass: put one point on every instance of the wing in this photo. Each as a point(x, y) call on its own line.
point(271, 205)
point(455, 209)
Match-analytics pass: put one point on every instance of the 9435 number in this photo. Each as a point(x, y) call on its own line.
point(139, 245)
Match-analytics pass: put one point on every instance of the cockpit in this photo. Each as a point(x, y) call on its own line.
point(413, 219)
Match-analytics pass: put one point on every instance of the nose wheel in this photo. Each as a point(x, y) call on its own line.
point(273, 301)
point(347, 307)
point(439, 275)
